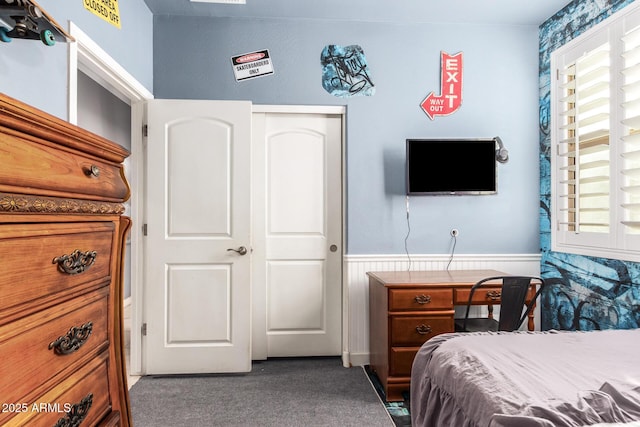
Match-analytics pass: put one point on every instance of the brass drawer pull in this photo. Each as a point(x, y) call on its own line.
point(423, 299)
point(75, 263)
point(73, 340)
point(93, 171)
point(423, 329)
point(77, 414)
point(493, 295)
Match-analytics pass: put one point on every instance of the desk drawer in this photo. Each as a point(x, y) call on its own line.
point(416, 330)
point(488, 295)
point(420, 299)
point(40, 346)
point(32, 253)
point(401, 360)
point(36, 168)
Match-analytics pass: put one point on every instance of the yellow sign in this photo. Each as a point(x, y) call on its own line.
point(105, 9)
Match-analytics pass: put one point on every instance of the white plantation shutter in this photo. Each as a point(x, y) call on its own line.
point(596, 134)
point(584, 143)
point(630, 147)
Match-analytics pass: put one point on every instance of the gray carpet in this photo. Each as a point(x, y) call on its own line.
point(278, 392)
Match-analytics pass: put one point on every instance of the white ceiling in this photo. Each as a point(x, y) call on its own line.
point(517, 12)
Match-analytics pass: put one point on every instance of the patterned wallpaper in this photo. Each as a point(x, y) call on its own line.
point(583, 293)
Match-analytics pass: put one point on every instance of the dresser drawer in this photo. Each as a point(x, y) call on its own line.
point(35, 252)
point(54, 340)
point(420, 299)
point(34, 168)
point(416, 330)
point(86, 392)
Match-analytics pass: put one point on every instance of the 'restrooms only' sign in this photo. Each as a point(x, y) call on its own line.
point(251, 65)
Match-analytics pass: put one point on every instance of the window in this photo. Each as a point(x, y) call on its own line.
point(596, 140)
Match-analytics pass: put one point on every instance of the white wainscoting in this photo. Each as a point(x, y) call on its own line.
point(357, 304)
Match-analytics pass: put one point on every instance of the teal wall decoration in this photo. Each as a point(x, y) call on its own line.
point(583, 293)
point(345, 72)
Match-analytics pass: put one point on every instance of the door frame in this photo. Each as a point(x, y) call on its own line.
point(87, 56)
point(259, 337)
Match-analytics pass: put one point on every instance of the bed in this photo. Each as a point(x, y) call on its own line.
point(522, 379)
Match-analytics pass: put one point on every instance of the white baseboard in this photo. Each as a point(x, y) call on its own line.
point(358, 359)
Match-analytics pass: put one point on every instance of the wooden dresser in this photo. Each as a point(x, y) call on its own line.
point(408, 308)
point(62, 237)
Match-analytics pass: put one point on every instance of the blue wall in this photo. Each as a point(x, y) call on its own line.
point(192, 60)
point(585, 293)
point(38, 75)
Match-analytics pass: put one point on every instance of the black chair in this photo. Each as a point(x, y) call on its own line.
point(513, 305)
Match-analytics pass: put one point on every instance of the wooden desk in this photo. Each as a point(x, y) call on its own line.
point(408, 308)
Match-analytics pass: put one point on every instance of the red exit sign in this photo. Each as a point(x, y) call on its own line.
point(450, 97)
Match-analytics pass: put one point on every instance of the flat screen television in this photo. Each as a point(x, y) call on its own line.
point(451, 166)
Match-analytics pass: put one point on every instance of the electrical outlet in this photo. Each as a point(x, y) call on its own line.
point(454, 232)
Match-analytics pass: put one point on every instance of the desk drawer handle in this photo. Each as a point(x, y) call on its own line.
point(423, 299)
point(423, 329)
point(493, 295)
point(73, 340)
point(77, 414)
point(75, 263)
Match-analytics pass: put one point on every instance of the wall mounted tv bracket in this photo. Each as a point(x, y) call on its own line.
point(25, 19)
point(502, 154)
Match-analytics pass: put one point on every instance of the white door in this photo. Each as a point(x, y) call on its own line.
point(298, 228)
point(197, 288)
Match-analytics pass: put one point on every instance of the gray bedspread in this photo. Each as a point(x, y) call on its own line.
point(527, 379)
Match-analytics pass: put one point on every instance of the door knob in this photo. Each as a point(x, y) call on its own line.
point(241, 250)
